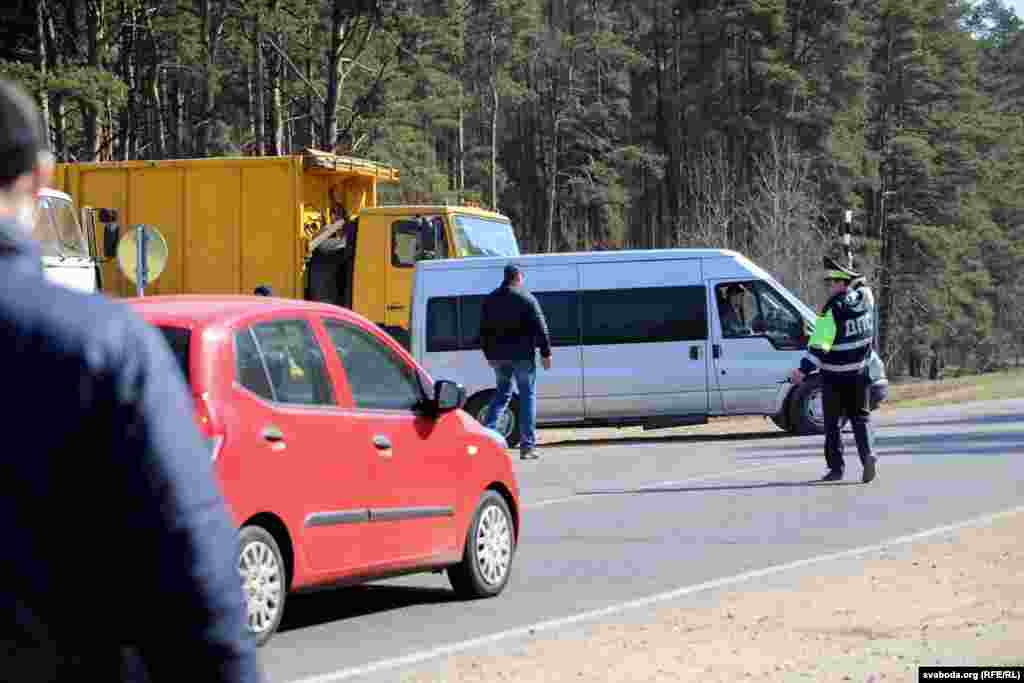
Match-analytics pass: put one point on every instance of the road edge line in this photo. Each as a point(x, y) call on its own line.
point(547, 625)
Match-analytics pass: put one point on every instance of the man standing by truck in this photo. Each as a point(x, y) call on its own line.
point(512, 328)
point(841, 349)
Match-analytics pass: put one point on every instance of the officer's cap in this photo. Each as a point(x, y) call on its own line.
point(834, 271)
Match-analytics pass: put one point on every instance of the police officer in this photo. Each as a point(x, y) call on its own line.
point(841, 350)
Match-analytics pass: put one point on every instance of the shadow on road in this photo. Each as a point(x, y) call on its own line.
point(668, 438)
point(716, 487)
point(326, 606)
point(952, 443)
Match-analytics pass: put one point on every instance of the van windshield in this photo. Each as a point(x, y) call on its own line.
point(178, 339)
point(57, 229)
point(476, 236)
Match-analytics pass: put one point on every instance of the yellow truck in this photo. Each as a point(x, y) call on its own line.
point(308, 226)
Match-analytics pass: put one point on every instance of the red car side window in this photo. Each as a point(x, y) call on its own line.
point(379, 378)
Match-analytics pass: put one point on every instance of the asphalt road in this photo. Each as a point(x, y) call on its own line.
point(617, 521)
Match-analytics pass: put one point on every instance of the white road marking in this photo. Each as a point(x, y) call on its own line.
point(677, 482)
point(454, 648)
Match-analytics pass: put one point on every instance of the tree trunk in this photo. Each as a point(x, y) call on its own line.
point(261, 112)
point(128, 74)
point(43, 64)
point(90, 114)
point(310, 129)
point(277, 114)
point(460, 154)
point(55, 103)
point(338, 29)
point(494, 122)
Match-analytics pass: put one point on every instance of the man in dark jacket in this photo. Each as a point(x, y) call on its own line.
point(512, 328)
point(840, 349)
point(121, 557)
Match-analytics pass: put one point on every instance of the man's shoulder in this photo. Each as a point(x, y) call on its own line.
point(58, 319)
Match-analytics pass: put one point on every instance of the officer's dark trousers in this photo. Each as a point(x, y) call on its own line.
point(849, 396)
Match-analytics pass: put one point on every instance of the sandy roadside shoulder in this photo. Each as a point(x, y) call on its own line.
point(954, 600)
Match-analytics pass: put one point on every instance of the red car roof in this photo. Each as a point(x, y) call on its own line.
point(223, 308)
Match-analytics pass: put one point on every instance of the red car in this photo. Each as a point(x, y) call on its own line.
point(339, 457)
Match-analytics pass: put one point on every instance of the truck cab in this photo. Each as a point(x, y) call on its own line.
point(367, 264)
point(69, 253)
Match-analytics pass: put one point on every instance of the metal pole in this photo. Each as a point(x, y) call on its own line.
point(848, 239)
point(140, 256)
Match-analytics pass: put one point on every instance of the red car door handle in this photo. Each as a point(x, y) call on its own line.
point(382, 443)
point(272, 434)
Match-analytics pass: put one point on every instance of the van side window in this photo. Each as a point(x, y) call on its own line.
point(295, 362)
point(443, 324)
point(644, 315)
point(754, 309)
point(379, 378)
point(470, 310)
point(249, 369)
point(562, 312)
point(453, 323)
point(736, 307)
point(778, 320)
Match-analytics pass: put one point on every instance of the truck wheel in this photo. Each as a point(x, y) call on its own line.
point(487, 557)
point(508, 423)
point(264, 582)
point(806, 411)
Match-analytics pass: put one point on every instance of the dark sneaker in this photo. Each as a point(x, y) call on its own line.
point(869, 469)
point(529, 454)
point(833, 475)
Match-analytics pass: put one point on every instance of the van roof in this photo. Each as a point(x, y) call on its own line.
point(581, 257)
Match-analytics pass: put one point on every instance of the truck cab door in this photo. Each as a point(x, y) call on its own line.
point(413, 238)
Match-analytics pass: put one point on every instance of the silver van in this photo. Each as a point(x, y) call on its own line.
point(657, 338)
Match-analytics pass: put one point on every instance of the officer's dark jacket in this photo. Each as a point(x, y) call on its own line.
point(512, 326)
point(119, 548)
point(843, 333)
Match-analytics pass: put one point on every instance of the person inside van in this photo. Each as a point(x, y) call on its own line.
point(731, 311)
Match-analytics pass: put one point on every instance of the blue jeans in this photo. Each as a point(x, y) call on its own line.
point(524, 372)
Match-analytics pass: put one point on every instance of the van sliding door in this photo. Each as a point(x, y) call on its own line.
point(645, 339)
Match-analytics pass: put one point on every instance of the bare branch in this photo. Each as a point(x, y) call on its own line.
point(295, 69)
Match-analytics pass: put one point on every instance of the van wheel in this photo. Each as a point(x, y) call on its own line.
point(263, 582)
point(487, 558)
point(508, 423)
point(806, 410)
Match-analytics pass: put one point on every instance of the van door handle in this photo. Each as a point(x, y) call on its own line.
point(272, 434)
point(716, 350)
point(382, 443)
point(396, 307)
point(694, 353)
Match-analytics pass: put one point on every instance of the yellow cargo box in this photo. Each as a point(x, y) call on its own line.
point(231, 224)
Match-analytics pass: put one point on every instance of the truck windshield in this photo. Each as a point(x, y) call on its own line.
point(476, 236)
point(57, 229)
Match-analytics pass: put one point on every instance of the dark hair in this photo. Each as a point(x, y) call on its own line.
point(22, 136)
point(511, 273)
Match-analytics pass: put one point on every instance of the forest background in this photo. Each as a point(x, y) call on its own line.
point(752, 125)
